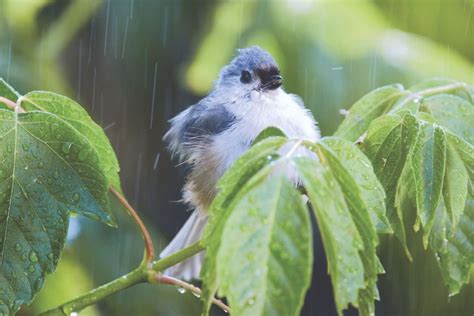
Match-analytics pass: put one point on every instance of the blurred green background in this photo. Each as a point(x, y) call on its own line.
point(134, 64)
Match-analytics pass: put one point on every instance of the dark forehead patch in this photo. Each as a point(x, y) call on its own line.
point(267, 72)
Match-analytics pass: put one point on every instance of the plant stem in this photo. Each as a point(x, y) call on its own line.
point(428, 92)
point(177, 257)
point(7, 102)
point(149, 249)
point(194, 289)
point(136, 276)
point(140, 275)
point(12, 105)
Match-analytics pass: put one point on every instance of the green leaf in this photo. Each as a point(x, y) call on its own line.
point(8, 92)
point(453, 112)
point(341, 239)
point(454, 185)
point(457, 258)
point(234, 182)
point(387, 145)
point(428, 163)
point(465, 151)
point(365, 197)
point(368, 108)
point(73, 114)
point(47, 171)
point(357, 178)
point(268, 270)
point(268, 132)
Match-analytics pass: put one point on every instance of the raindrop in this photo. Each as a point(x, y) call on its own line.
point(180, 289)
point(76, 197)
point(25, 146)
point(66, 147)
point(31, 268)
point(251, 301)
point(40, 164)
point(196, 294)
point(17, 247)
point(56, 174)
point(39, 284)
point(33, 256)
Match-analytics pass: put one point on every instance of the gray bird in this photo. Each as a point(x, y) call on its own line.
point(211, 134)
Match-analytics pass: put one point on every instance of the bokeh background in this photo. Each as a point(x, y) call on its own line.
point(133, 64)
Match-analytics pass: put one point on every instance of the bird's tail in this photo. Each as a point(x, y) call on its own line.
point(190, 233)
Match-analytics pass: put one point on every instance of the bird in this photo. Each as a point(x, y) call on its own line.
point(210, 135)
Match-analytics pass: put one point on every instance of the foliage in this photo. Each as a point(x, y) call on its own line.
point(412, 159)
point(49, 169)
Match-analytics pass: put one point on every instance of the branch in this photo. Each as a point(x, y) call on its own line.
point(97, 294)
point(139, 275)
point(191, 288)
point(12, 105)
point(177, 257)
point(428, 92)
point(149, 249)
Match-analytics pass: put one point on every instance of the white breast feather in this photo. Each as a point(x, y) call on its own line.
point(260, 111)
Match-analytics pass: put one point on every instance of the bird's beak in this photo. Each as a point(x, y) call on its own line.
point(272, 83)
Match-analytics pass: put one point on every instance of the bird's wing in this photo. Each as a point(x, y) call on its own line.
point(190, 130)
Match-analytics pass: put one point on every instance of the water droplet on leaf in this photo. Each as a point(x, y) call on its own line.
point(180, 289)
point(33, 256)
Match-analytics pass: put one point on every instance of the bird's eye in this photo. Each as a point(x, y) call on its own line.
point(245, 77)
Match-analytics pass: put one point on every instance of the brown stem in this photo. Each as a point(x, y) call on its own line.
point(191, 288)
point(12, 105)
point(149, 249)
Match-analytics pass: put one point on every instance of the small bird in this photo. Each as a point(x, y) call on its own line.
point(211, 134)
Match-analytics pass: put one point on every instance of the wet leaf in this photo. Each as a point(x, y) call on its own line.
point(428, 163)
point(368, 108)
point(268, 271)
point(357, 178)
point(48, 171)
point(241, 177)
point(342, 241)
point(455, 185)
point(387, 145)
point(365, 198)
point(452, 112)
point(457, 256)
point(75, 116)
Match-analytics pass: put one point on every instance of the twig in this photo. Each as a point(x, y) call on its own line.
point(191, 288)
point(12, 105)
point(149, 248)
point(98, 294)
point(139, 275)
point(177, 257)
point(428, 92)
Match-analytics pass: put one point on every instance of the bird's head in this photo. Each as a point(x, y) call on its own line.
point(253, 69)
